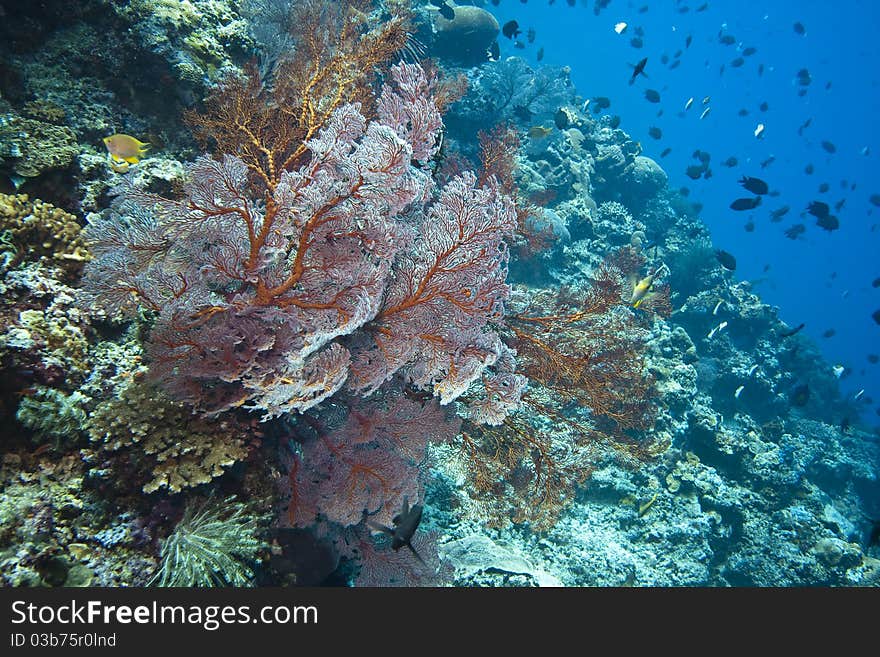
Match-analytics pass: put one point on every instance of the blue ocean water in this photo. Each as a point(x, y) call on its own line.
point(821, 279)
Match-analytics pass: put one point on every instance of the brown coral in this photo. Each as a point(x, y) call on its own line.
point(335, 61)
point(169, 445)
point(39, 231)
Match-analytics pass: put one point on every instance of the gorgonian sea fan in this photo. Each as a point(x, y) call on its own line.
point(263, 300)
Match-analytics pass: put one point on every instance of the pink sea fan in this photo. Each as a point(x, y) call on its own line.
point(368, 464)
point(448, 286)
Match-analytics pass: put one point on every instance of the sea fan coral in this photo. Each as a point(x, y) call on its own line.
point(252, 295)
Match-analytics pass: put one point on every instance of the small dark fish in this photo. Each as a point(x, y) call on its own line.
point(652, 96)
point(636, 42)
point(824, 187)
point(695, 171)
point(405, 525)
point(799, 28)
point(766, 163)
point(602, 102)
point(614, 122)
point(730, 162)
point(743, 112)
point(754, 185)
point(664, 59)
point(703, 156)
point(829, 223)
point(875, 283)
point(561, 119)
point(829, 147)
point(750, 226)
point(736, 63)
point(540, 54)
point(839, 205)
point(530, 35)
point(748, 52)
point(655, 133)
point(726, 259)
point(804, 78)
point(876, 316)
point(638, 69)
point(795, 231)
point(688, 41)
point(829, 333)
point(764, 106)
point(800, 395)
point(741, 204)
point(778, 214)
point(702, 7)
point(674, 65)
point(809, 169)
point(873, 359)
point(727, 39)
point(684, 191)
point(819, 209)
point(511, 29)
point(797, 329)
point(666, 151)
point(447, 12)
point(760, 70)
point(874, 200)
point(844, 425)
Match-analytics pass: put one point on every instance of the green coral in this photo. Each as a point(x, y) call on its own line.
point(181, 449)
point(212, 545)
point(50, 412)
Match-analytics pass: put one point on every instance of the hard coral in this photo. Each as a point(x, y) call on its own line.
point(40, 231)
point(169, 446)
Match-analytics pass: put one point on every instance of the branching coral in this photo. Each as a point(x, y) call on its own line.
point(167, 445)
point(40, 231)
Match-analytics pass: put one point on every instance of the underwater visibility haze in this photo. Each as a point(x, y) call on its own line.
point(429, 293)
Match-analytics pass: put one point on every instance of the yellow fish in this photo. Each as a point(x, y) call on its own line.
point(642, 289)
point(539, 132)
point(125, 148)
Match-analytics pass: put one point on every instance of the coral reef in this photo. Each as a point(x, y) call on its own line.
point(309, 309)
